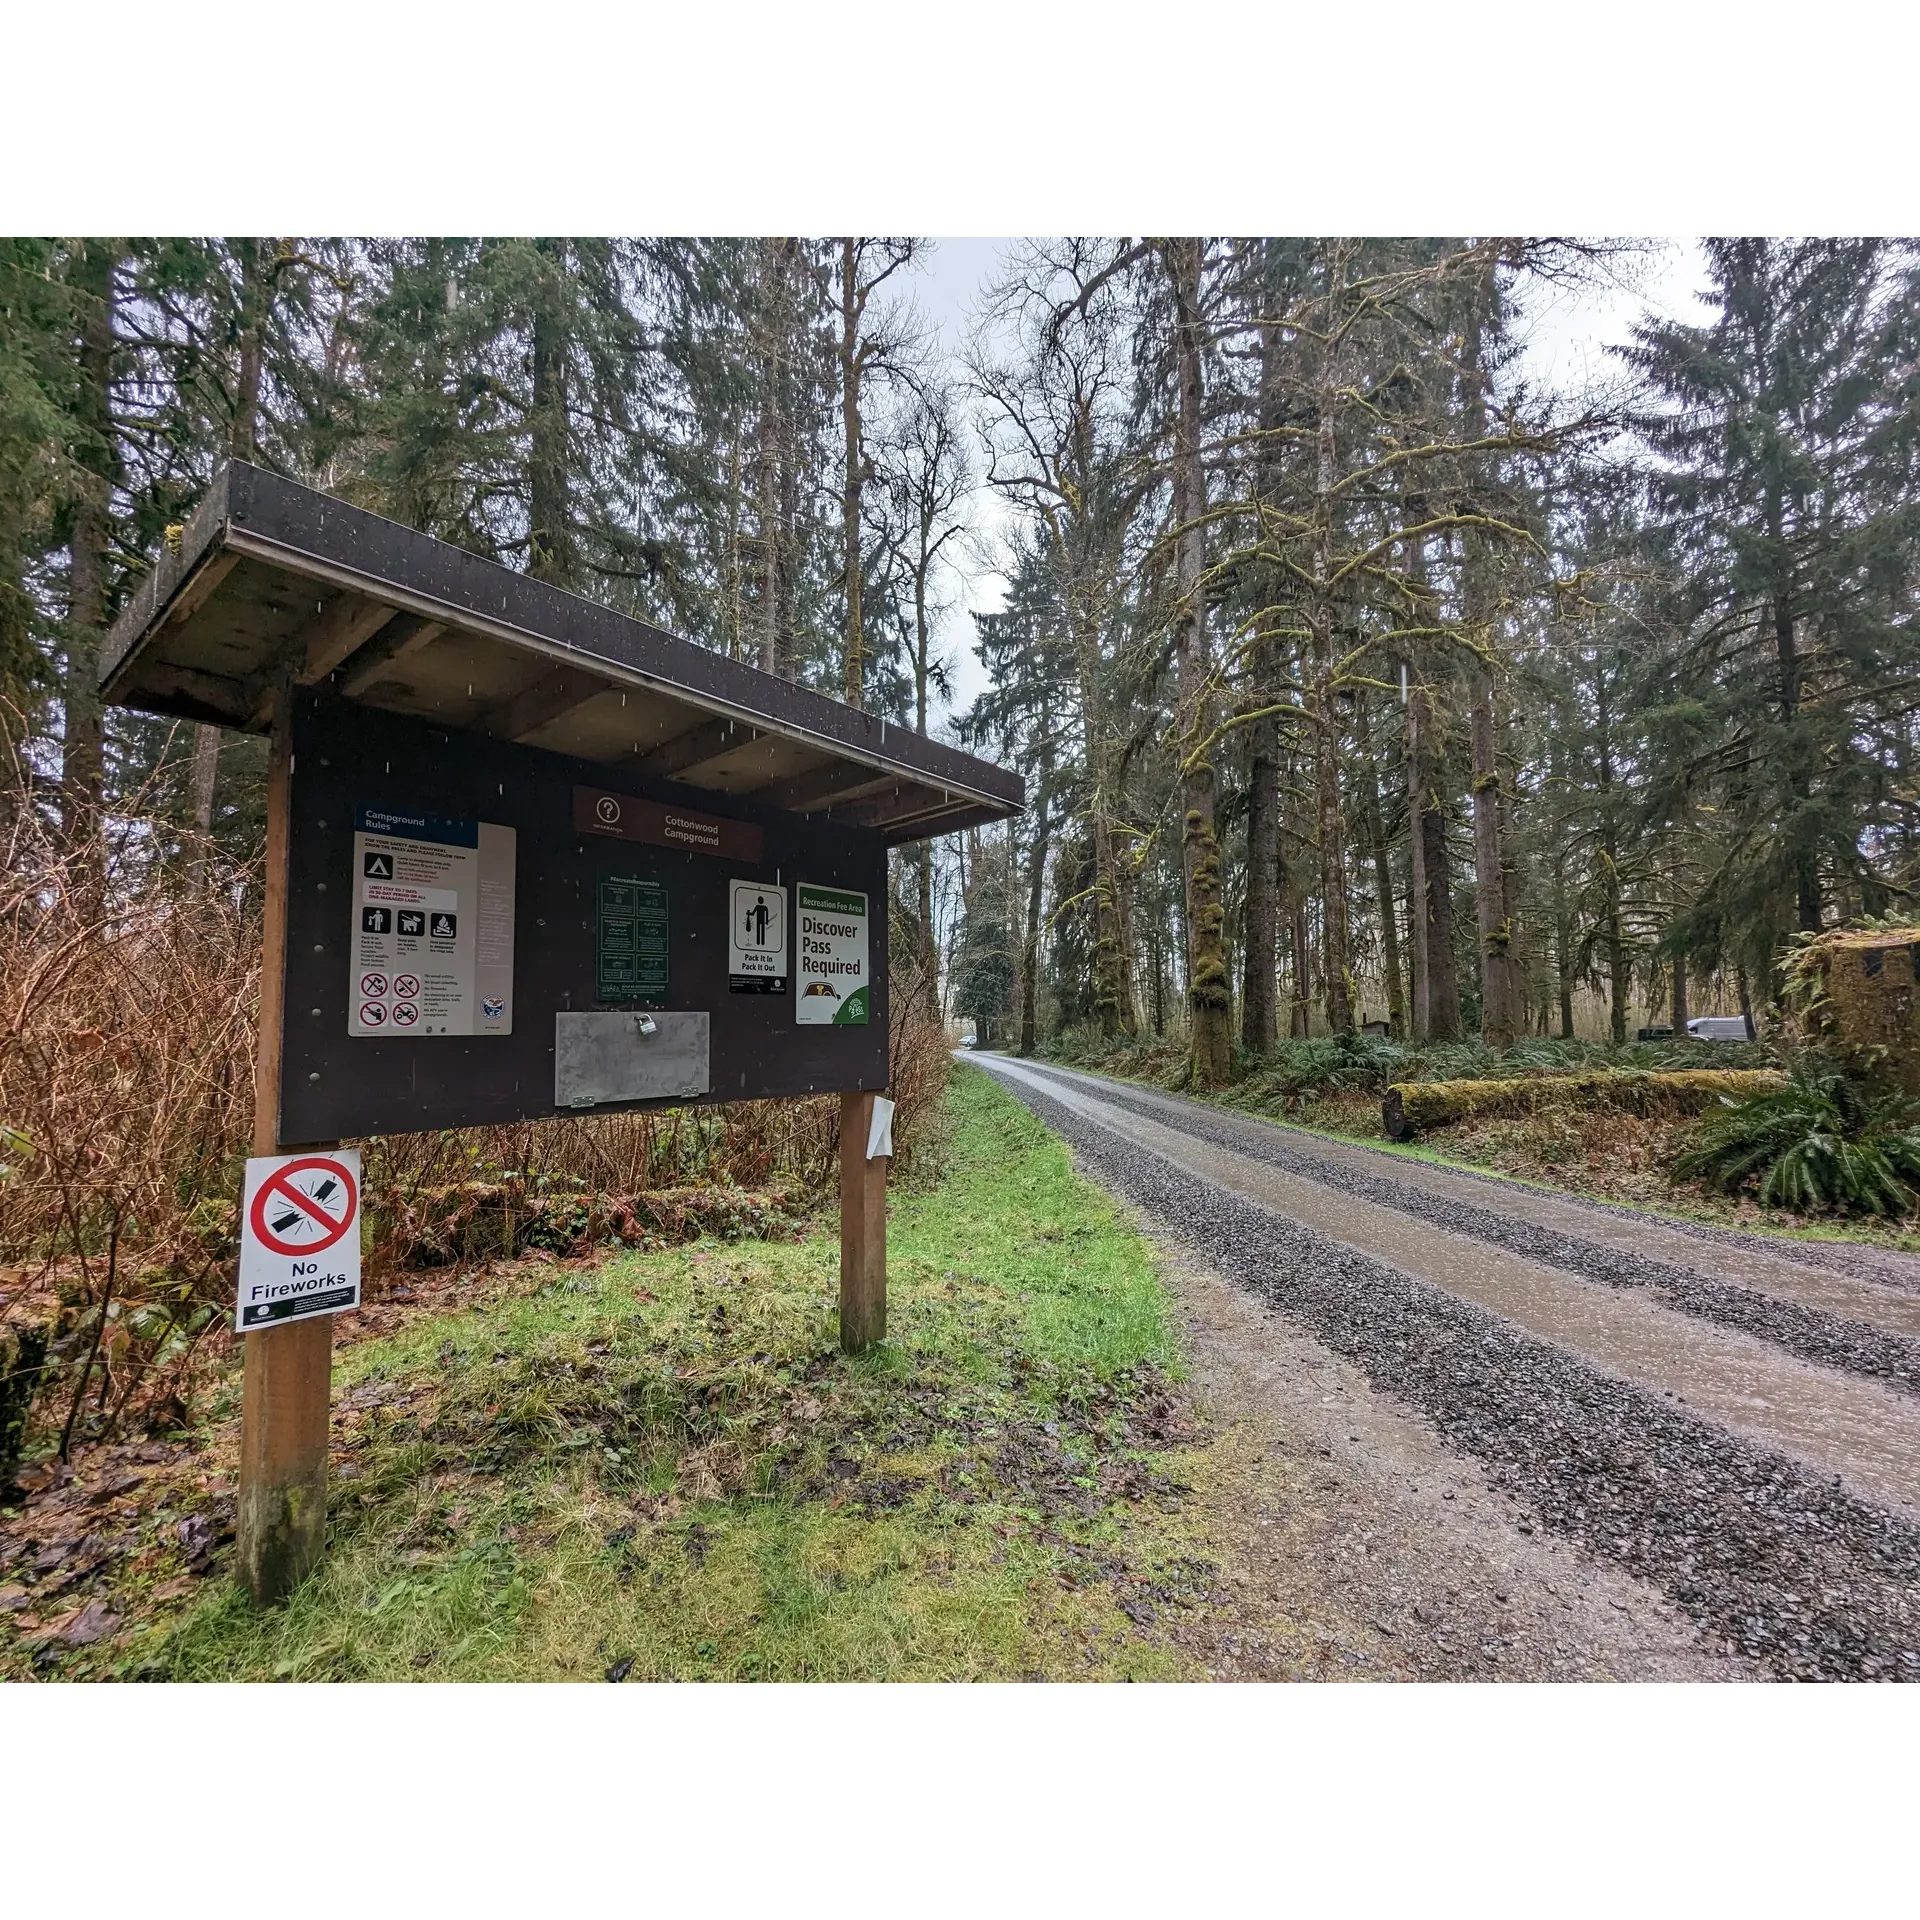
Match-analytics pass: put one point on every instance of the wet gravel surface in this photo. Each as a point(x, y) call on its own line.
point(1349, 1542)
point(1807, 1332)
point(1768, 1558)
point(1883, 1266)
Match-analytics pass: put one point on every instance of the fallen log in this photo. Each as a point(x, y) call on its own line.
point(1413, 1107)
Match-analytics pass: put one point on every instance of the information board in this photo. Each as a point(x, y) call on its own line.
point(835, 957)
point(630, 939)
point(339, 1084)
point(431, 941)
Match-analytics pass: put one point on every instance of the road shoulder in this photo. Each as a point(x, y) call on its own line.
point(1351, 1543)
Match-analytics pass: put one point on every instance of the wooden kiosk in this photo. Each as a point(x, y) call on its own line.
point(525, 856)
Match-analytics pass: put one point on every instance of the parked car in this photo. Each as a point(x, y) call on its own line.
point(967, 1041)
point(1654, 1033)
point(1715, 1026)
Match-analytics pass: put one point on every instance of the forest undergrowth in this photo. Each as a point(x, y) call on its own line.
point(658, 1465)
point(1334, 1085)
point(127, 1012)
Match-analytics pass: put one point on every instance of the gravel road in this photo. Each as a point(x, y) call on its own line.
point(1731, 1432)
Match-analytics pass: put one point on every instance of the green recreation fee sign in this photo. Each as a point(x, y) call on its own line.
point(834, 957)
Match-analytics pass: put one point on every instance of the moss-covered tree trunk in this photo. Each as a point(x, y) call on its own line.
point(1209, 992)
point(1377, 848)
point(1259, 1007)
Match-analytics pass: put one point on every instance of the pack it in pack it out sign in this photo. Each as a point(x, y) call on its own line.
point(432, 936)
point(833, 957)
point(299, 1238)
point(757, 940)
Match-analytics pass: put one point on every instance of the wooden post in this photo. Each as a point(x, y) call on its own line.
point(863, 1229)
point(289, 1370)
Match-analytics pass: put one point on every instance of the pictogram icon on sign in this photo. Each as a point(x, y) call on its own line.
point(405, 1013)
point(413, 924)
point(299, 1238)
point(442, 926)
point(305, 1206)
point(372, 1013)
point(407, 985)
point(378, 866)
point(607, 810)
point(374, 985)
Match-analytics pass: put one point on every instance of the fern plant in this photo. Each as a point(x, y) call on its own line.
point(1817, 1145)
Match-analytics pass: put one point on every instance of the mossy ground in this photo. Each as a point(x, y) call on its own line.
point(659, 1466)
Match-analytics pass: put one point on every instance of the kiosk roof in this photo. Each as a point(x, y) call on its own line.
point(271, 580)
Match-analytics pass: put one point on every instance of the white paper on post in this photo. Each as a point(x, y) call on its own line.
point(880, 1131)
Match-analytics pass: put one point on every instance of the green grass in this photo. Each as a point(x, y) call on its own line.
point(663, 1463)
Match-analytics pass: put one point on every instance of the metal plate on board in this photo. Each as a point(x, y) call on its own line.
point(601, 1058)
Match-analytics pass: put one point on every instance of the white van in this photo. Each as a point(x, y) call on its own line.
point(1715, 1026)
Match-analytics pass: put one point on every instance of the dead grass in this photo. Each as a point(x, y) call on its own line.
point(127, 1015)
point(658, 1465)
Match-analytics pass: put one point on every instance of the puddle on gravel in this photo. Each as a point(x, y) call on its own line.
point(1361, 1547)
point(1836, 1423)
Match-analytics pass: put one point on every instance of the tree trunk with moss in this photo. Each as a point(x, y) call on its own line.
point(1499, 996)
point(1436, 873)
point(1378, 851)
point(1335, 950)
point(1209, 992)
point(1498, 1010)
point(1259, 1012)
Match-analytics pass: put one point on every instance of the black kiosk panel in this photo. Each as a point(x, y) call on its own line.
point(591, 912)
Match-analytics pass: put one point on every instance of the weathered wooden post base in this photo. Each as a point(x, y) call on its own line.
point(863, 1229)
point(281, 1529)
point(282, 1526)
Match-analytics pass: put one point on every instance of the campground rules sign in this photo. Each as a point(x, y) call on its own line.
point(299, 1238)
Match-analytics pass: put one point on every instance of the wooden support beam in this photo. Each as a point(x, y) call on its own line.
point(903, 803)
point(842, 780)
point(949, 817)
point(863, 1229)
point(200, 589)
point(407, 635)
point(541, 704)
point(686, 752)
point(338, 634)
point(232, 700)
point(288, 1376)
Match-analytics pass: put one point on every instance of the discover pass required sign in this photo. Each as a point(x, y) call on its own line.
point(299, 1238)
point(834, 957)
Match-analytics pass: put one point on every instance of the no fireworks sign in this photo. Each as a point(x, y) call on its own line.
point(299, 1238)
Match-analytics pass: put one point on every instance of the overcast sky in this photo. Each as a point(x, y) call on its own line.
point(1564, 339)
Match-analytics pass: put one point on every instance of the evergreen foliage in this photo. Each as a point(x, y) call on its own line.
point(1355, 682)
point(1818, 1145)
